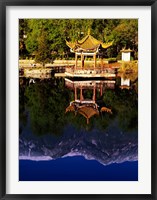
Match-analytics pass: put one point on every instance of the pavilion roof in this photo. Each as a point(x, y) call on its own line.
point(88, 111)
point(87, 44)
point(126, 50)
point(70, 108)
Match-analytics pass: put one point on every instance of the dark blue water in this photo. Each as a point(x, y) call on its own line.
point(77, 168)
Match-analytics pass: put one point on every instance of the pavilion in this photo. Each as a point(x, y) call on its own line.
point(88, 46)
point(86, 107)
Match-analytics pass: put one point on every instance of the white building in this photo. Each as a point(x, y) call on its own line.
point(126, 54)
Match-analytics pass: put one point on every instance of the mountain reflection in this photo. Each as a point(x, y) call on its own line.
point(49, 131)
point(106, 147)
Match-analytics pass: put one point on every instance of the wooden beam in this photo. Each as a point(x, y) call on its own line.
point(86, 53)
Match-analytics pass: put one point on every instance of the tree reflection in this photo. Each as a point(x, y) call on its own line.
point(46, 102)
point(125, 105)
point(22, 102)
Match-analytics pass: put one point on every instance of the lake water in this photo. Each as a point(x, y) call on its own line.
point(78, 130)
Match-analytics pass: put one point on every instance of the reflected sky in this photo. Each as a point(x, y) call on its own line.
point(59, 145)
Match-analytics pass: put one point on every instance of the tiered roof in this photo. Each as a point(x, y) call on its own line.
point(87, 44)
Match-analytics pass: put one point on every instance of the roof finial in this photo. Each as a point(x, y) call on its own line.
point(88, 31)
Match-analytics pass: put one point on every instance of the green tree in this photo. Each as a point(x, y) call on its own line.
point(124, 32)
point(43, 52)
point(23, 26)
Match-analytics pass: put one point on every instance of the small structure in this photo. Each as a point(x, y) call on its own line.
point(125, 83)
point(88, 46)
point(86, 107)
point(38, 73)
point(126, 54)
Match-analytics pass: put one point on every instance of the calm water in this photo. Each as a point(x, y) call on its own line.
point(64, 136)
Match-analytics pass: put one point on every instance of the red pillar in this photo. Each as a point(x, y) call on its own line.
point(81, 95)
point(101, 89)
point(94, 93)
point(75, 93)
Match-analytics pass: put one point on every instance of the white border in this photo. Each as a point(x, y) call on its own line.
point(143, 186)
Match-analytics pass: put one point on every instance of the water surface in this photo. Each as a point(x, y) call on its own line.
point(55, 145)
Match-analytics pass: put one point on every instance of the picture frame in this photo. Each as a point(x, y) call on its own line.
point(3, 100)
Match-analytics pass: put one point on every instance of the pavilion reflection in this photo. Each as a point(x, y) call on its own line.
point(88, 107)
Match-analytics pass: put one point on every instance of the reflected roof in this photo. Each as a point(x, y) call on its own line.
point(85, 110)
point(88, 111)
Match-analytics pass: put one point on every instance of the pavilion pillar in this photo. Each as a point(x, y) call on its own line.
point(82, 61)
point(94, 93)
point(81, 95)
point(102, 63)
point(94, 56)
point(75, 61)
point(101, 89)
point(75, 93)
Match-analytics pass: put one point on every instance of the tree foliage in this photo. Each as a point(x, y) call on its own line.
point(55, 32)
point(42, 54)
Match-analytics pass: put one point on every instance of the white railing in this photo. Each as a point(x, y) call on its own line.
point(90, 71)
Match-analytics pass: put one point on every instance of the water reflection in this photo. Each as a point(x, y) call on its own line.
point(82, 103)
point(48, 131)
point(106, 147)
point(125, 83)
